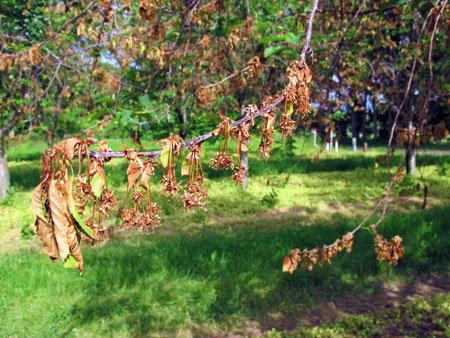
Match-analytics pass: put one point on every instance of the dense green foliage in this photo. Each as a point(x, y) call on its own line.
point(147, 64)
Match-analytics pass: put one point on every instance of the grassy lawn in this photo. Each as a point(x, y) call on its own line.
point(218, 272)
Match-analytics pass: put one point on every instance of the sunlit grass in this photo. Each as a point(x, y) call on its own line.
point(217, 269)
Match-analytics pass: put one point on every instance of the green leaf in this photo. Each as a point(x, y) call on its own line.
point(97, 185)
point(272, 50)
point(293, 38)
point(70, 263)
point(104, 99)
point(144, 100)
point(273, 39)
point(164, 158)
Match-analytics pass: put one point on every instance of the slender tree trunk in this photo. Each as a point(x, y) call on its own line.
point(410, 154)
point(4, 172)
point(354, 128)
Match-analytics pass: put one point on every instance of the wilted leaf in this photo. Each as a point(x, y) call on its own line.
point(74, 210)
point(58, 208)
point(66, 236)
point(69, 149)
point(44, 228)
point(133, 171)
point(165, 156)
point(287, 264)
point(244, 148)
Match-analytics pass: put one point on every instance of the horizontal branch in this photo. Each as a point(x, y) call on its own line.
point(226, 78)
point(156, 153)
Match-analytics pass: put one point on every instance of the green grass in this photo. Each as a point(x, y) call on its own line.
point(144, 284)
point(215, 271)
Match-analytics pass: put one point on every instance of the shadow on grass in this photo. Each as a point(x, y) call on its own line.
point(213, 277)
point(144, 284)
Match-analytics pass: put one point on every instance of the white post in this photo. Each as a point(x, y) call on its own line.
point(354, 144)
point(328, 146)
point(336, 146)
point(315, 137)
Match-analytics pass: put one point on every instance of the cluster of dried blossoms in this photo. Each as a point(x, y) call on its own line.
point(205, 95)
point(254, 69)
point(266, 144)
point(239, 174)
point(389, 251)
point(405, 136)
point(195, 194)
point(144, 214)
point(171, 152)
point(297, 96)
point(143, 221)
point(309, 258)
point(223, 159)
point(242, 134)
point(31, 57)
point(399, 175)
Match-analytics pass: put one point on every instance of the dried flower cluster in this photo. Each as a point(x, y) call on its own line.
point(297, 91)
point(205, 95)
point(309, 258)
point(287, 125)
point(143, 221)
point(195, 194)
point(297, 95)
point(266, 144)
point(399, 175)
point(223, 159)
point(238, 175)
point(144, 214)
point(389, 251)
point(171, 153)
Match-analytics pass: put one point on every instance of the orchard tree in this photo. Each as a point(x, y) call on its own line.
point(161, 67)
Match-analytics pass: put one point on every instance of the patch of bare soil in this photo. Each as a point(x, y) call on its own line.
point(390, 295)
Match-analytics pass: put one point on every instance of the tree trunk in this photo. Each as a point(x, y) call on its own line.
point(411, 154)
point(354, 129)
point(4, 173)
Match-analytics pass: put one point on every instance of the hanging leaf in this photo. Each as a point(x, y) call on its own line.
point(74, 210)
point(133, 171)
point(43, 227)
point(164, 158)
point(244, 148)
point(70, 145)
point(70, 263)
point(98, 182)
point(185, 167)
point(58, 209)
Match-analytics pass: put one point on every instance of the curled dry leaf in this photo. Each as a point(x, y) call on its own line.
point(44, 228)
point(66, 236)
